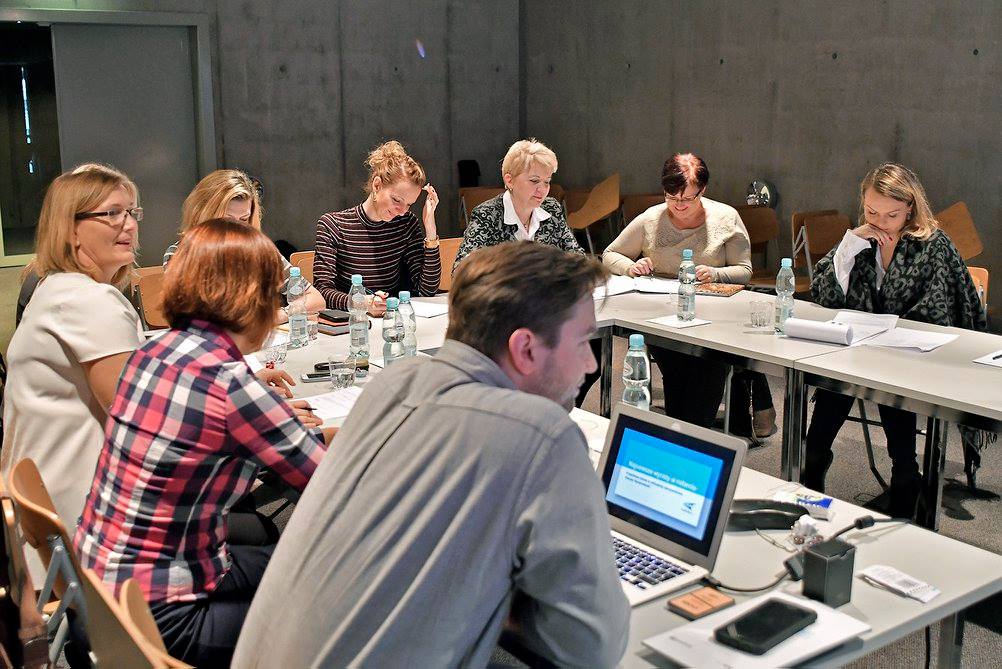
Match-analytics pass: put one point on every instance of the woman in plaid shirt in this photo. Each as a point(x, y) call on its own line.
point(187, 432)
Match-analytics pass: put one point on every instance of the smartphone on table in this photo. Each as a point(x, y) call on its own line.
point(765, 626)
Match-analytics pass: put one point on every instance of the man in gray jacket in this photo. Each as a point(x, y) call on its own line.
point(458, 498)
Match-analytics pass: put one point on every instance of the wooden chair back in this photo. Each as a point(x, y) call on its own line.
point(471, 196)
point(761, 223)
point(636, 204)
point(557, 192)
point(825, 229)
point(151, 287)
point(980, 277)
point(114, 641)
point(602, 202)
point(958, 225)
point(24, 625)
point(448, 249)
point(574, 199)
point(304, 261)
point(136, 612)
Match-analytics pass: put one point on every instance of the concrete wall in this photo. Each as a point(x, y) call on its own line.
point(304, 89)
point(807, 95)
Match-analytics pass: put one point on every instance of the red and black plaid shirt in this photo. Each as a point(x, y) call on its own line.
point(185, 436)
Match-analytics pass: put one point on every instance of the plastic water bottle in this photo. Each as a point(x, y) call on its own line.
point(637, 374)
point(785, 286)
point(358, 326)
point(393, 333)
point(410, 324)
point(299, 336)
point(687, 287)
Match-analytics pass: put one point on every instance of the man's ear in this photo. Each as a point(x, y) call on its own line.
point(523, 351)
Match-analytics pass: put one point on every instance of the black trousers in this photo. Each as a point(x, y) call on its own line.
point(694, 387)
point(590, 379)
point(830, 412)
point(204, 633)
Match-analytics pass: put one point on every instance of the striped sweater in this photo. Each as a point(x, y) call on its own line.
point(348, 242)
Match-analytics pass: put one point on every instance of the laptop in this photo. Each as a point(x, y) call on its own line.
point(668, 488)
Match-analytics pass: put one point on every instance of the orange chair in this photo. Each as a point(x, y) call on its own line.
point(304, 261)
point(135, 614)
point(763, 227)
point(46, 533)
point(634, 205)
point(601, 203)
point(958, 225)
point(150, 287)
point(557, 192)
point(814, 234)
point(471, 196)
point(448, 249)
point(28, 641)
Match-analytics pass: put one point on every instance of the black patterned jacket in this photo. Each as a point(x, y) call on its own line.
point(487, 228)
point(926, 281)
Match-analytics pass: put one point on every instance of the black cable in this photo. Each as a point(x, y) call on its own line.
point(864, 522)
point(928, 648)
point(717, 584)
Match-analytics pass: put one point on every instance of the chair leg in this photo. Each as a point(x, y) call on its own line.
point(591, 247)
point(869, 444)
point(728, 380)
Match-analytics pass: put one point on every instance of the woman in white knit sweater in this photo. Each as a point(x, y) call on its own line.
point(652, 244)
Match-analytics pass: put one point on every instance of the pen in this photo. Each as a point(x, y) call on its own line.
point(996, 357)
point(309, 408)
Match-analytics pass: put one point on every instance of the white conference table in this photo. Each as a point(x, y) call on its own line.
point(943, 385)
point(964, 574)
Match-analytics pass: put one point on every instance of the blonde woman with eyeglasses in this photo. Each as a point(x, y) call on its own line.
point(652, 244)
point(896, 261)
point(76, 334)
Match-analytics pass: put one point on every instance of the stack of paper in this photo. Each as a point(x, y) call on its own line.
point(336, 404)
point(618, 285)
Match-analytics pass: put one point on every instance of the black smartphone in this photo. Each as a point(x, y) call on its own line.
point(765, 626)
point(335, 315)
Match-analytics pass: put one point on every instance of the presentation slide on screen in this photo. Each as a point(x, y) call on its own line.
point(665, 482)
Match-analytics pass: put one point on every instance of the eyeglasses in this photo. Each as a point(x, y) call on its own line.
point(115, 216)
point(681, 199)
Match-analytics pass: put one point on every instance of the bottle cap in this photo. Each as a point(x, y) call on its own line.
point(405, 296)
point(356, 279)
point(687, 254)
point(392, 303)
point(786, 262)
point(294, 272)
point(636, 340)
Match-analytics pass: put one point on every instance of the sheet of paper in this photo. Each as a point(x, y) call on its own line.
point(693, 644)
point(335, 404)
point(673, 322)
point(884, 321)
point(653, 284)
point(424, 309)
point(594, 428)
point(616, 285)
point(994, 359)
point(905, 338)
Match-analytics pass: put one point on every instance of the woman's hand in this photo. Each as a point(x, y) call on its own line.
point(376, 304)
point(428, 212)
point(867, 231)
point(706, 274)
point(305, 414)
point(642, 267)
point(277, 380)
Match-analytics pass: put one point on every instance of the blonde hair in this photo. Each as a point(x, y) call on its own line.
point(390, 163)
point(210, 197)
point(523, 154)
point(901, 184)
point(69, 194)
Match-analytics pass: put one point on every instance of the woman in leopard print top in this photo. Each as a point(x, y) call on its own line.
point(897, 261)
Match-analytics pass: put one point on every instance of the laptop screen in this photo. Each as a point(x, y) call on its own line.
point(666, 482)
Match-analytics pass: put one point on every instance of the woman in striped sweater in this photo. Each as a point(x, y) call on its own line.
point(381, 236)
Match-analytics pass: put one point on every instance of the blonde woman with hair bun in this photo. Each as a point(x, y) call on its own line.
point(896, 261)
point(233, 195)
point(524, 211)
point(381, 239)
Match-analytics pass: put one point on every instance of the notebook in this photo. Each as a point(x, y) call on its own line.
point(668, 489)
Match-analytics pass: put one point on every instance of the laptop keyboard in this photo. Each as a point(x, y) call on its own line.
point(641, 568)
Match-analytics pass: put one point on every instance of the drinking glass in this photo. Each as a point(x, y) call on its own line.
point(312, 323)
point(342, 366)
point(275, 348)
point(761, 313)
